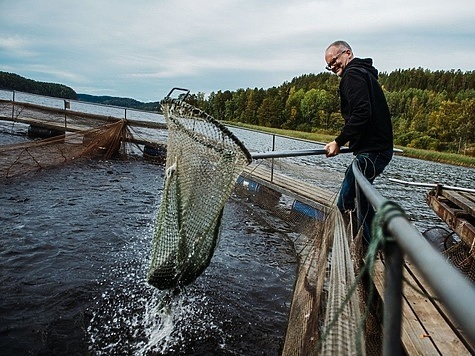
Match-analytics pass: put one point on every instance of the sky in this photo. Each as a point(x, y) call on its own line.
point(141, 49)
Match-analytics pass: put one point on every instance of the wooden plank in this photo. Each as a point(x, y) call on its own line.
point(303, 189)
point(453, 218)
point(437, 328)
point(313, 203)
point(424, 331)
point(465, 201)
point(411, 328)
point(49, 124)
point(411, 269)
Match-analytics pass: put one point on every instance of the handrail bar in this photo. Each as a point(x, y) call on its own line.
point(450, 286)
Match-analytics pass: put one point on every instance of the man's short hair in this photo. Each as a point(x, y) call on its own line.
point(342, 45)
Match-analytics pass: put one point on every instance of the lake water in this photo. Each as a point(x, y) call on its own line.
point(74, 256)
point(75, 245)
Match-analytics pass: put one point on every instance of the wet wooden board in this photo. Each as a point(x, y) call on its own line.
point(424, 331)
point(411, 269)
point(457, 209)
point(464, 200)
point(307, 193)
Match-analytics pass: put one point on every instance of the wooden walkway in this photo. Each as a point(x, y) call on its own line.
point(427, 329)
point(311, 195)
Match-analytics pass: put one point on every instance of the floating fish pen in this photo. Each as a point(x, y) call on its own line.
point(335, 309)
point(62, 135)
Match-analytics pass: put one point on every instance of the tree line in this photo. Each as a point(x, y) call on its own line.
point(11, 81)
point(430, 109)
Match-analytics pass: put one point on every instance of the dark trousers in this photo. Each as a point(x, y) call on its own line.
point(371, 165)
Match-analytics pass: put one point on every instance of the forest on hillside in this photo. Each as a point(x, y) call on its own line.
point(430, 109)
point(12, 81)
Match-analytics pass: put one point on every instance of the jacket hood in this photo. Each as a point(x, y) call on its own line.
point(366, 63)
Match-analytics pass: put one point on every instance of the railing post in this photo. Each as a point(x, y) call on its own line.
point(392, 299)
point(272, 160)
point(13, 105)
point(359, 215)
point(67, 105)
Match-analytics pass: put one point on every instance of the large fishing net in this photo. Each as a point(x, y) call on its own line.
point(58, 136)
point(203, 161)
point(325, 316)
point(29, 156)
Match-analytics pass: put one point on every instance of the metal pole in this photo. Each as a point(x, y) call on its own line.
point(449, 284)
point(359, 215)
point(272, 162)
point(66, 106)
point(13, 106)
point(292, 153)
point(392, 299)
point(296, 153)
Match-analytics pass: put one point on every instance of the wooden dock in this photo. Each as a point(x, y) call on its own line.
point(427, 329)
point(311, 195)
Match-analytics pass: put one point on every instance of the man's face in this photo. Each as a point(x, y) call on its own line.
point(337, 59)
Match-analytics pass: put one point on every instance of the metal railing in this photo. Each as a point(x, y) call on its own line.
point(450, 286)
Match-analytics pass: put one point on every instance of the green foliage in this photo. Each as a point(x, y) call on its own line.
point(430, 110)
point(10, 81)
point(110, 100)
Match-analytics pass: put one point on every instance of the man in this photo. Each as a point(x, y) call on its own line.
point(367, 129)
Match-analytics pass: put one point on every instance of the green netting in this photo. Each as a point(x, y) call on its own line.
point(203, 161)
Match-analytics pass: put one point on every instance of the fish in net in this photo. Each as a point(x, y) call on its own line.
point(203, 162)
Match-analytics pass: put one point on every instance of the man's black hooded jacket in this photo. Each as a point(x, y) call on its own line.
point(368, 125)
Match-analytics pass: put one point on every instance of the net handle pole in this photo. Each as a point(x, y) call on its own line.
point(182, 89)
point(296, 153)
point(292, 153)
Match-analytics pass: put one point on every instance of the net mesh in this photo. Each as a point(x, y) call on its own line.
point(27, 157)
point(203, 161)
point(343, 310)
point(463, 257)
point(326, 316)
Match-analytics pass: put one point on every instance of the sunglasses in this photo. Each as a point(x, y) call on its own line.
point(333, 61)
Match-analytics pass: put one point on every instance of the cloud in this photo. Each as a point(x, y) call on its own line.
point(141, 49)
